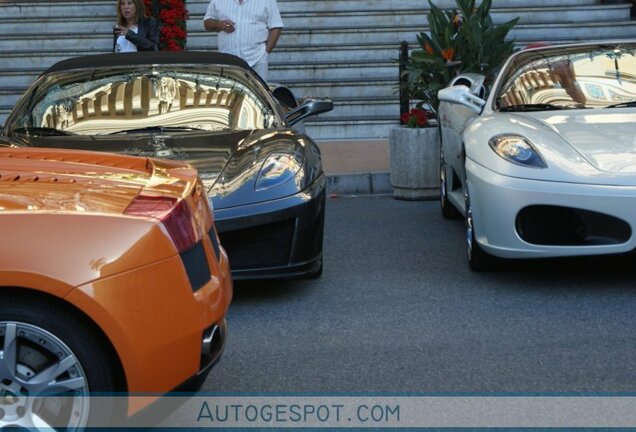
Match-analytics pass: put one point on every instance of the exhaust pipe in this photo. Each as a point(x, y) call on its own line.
point(213, 343)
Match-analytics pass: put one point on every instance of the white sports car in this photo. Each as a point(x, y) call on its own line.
point(540, 158)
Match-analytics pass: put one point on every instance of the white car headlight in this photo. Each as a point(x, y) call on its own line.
point(279, 168)
point(517, 149)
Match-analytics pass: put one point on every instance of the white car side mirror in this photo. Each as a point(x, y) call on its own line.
point(461, 95)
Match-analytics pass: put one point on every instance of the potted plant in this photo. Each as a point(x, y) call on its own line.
point(414, 150)
point(461, 40)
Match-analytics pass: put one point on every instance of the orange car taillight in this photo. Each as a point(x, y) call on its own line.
point(175, 215)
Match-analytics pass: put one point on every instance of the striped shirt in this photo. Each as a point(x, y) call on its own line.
point(252, 21)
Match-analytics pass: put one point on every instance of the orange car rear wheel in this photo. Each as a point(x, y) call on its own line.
point(47, 350)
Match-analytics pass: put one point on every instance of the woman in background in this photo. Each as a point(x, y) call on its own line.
point(134, 30)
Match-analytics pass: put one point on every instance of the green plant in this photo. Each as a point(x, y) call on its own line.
point(459, 41)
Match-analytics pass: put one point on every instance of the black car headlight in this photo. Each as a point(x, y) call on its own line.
point(279, 168)
point(517, 149)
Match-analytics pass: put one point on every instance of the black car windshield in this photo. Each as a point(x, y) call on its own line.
point(144, 99)
point(593, 76)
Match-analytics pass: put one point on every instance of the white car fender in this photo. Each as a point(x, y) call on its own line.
point(564, 163)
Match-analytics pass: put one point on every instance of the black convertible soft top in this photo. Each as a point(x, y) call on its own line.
point(148, 58)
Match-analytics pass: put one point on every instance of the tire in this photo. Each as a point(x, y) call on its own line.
point(449, 211)
point(478, 259)
point(48, 349)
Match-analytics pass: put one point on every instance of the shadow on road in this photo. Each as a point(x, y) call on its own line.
point(271, 290)
point(579, 273)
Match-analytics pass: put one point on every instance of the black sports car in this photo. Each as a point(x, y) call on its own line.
point(265, 179)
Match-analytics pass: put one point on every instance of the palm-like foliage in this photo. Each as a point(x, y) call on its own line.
point(464, 41)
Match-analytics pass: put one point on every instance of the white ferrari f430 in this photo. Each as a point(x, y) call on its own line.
point(540, 157)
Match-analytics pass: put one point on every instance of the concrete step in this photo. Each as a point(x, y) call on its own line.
point(389, 34)
point(320, 38)
point(9, 96)
point(94, 43)
point(22, 68)
point(106, 8)
point(333, 71)
point(40, 60)
point(418, 16)
point(34, 60)
point(61, 8)
point(350, 128)
point(18, 78)
point(306, 6)
point(102, 24)
point(336, 53)
point(384, 36)
point(344, 89)
point(388, 108)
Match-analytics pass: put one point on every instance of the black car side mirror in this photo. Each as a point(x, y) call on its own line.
point(309, 107)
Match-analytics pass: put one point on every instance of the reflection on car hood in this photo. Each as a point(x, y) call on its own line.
point(70, 181)
point(607, 139)
point(207, 152)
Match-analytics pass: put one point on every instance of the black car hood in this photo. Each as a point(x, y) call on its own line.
point(228, 162)
point(207, 152)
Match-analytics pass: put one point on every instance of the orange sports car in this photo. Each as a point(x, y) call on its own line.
point(112, 280)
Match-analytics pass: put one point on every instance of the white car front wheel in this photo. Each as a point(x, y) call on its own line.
point(478, 259)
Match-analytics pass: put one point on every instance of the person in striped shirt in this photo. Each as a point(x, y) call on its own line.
point(248, 29)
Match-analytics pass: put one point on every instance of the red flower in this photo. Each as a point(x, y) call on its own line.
point(448, 54)
point(415, 118)
point(172, 17)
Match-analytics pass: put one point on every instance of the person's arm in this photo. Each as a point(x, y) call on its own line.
point(149, 41)
point(272, 39)
point(218, 25)
point(212, 23)
point(274, 24)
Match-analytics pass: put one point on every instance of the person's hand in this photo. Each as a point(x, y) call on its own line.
point(120, 30)
point(227, 26)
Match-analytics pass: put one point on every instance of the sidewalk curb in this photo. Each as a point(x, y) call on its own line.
point(360, 183)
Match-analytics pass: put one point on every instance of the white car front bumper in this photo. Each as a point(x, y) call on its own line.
point(497, 200)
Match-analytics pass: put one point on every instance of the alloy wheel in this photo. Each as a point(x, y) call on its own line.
point(42, 383)
point(442, 180)
point(470, 233)
point(478, 259)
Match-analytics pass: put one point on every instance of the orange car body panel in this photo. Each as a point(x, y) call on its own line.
point(156, 331)
point(64, 233)
point(66, 254)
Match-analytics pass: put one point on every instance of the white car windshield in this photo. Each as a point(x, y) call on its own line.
point(597, 76)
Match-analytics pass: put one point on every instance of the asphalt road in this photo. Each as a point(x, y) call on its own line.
point(397, 310)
